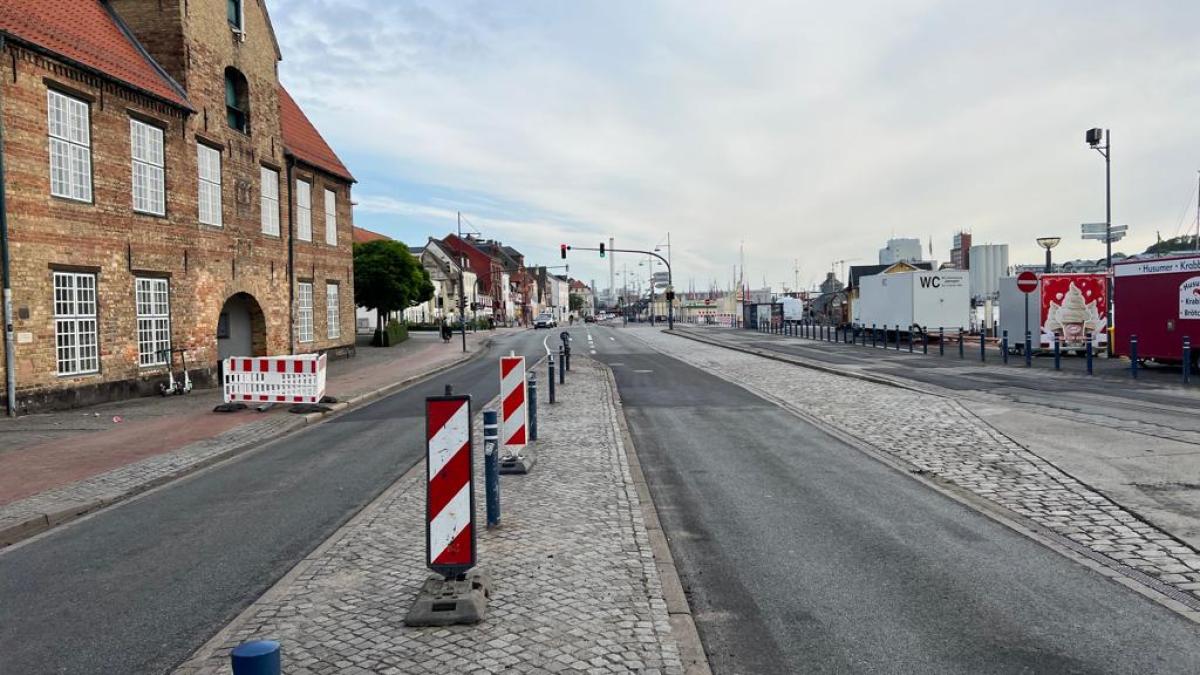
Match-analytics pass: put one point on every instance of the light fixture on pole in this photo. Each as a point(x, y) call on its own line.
point(1048, 243)
point(1100, 140)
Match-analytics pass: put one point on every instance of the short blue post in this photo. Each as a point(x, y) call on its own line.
point(910, 340)
point(960, 343)
point(1057, 353)
point(941, 341)
point(1089, 355)
point(491, 466)
point(1187, 359)
point(924, 341)
point(1028, 350)
point(562, 366)
point(982, 347)
point(1133, 360)
point(874, 336)
point(550, 372)
point(532, 406)
point(897, 337)
point(1004, 347)
point(258, 657)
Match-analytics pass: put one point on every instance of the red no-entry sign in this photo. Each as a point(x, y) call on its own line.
point(1027, 282)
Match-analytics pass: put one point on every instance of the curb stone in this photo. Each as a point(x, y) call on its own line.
point(69, 511)
point(683, 624)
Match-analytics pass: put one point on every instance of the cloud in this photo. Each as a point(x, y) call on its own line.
point(810, 131)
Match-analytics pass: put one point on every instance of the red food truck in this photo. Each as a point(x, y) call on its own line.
point(1158, 301)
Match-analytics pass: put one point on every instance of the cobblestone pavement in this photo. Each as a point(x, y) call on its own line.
point(941, 438)
point(575, 587)
point(92, 462)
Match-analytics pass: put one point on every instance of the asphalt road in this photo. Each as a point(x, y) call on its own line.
point(802, 554)
point(138, 587)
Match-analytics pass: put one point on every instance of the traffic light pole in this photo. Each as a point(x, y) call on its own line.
point(670, 283)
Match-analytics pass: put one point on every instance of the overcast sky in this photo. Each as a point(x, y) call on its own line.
point(810, 131)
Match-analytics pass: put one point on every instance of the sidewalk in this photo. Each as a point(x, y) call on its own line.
point(57, 466)
point(576, 587)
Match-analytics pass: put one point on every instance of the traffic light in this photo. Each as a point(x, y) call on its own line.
point(601, 249)
point(563, 249)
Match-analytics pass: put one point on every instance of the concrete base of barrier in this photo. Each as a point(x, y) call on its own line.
point(521, 463)
point(447, 602)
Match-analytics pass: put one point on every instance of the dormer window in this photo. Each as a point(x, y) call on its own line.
point(233, 9)
point(237, 101)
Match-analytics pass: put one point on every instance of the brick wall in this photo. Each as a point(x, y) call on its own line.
point(205, 265)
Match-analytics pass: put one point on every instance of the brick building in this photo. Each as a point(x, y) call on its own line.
point(163, 192)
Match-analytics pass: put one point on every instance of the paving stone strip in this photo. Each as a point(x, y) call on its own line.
point(71, 500)
point(575, 586)
point(941, 438)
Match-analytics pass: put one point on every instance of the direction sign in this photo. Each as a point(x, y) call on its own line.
point(1027, 282)
point(1093, 228)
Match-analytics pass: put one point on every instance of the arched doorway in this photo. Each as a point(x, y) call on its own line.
point(241, 328)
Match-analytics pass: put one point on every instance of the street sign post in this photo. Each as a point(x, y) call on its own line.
point(1027, 282)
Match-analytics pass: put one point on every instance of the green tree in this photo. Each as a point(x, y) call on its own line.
point(387, 278)
point(576, 302)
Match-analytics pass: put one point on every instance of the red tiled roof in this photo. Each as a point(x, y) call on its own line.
point(362, 235)
point(87, 33)
point(303, 140)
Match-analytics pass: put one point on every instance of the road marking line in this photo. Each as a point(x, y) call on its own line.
point(643, 371)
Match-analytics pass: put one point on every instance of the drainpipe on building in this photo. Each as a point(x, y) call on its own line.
point(10, 370)
point(291, 260)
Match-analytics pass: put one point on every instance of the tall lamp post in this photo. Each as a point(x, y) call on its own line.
point(1100, 140)
point(1048, 243)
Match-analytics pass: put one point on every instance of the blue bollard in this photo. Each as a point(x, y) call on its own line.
point(550, 365)
point(961, 354)
point(874, 336)
point(491, 466)
point(924, 341)
point(982, 348)
point(897, 337)
point(1089, 355)
point(1028, 350)
point(1187, 359)
point(258, 657)
point(562, 366)
point(941, 341)
point(1057, 354)
point(1004, 347)
point(1133, 360)
point(532, 406)
point(910, 340)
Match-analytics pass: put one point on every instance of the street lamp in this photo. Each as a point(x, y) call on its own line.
point(1048, 243)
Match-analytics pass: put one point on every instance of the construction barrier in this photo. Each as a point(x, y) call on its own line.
point(450, 486)
point(513, 416)
point(274, 379)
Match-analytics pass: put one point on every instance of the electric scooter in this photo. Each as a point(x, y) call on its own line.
point(172, 386)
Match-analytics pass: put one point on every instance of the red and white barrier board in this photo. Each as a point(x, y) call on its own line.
point(274, 379)
point(450, 486)
point(514, 411)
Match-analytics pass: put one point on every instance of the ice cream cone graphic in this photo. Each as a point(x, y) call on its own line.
point(1074, 318)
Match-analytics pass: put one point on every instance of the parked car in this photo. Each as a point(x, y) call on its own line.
point(544, 321)
point(589, 319)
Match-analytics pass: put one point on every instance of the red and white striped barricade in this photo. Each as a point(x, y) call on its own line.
point(450, 486)
point(514, 411)
point(274, 379)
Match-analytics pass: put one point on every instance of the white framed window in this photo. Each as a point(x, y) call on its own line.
point(331, 217)
point(333, 325)
point(70, 147)
point(208, 161)
point(153, 299)
point(303, 211)
point(149, 187)
point(304, 311)
point(270, 201)
point(75, 341)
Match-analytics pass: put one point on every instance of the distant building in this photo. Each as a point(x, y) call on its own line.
point(900, 250)
point(960, 252)
point(988, 262)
